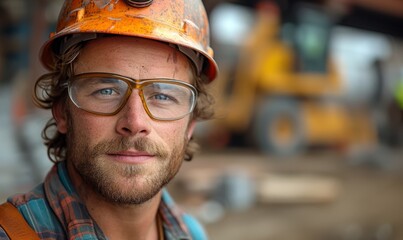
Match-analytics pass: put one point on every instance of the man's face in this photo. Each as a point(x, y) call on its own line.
point(126, 158)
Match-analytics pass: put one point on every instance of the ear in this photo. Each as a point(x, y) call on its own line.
point(191, 128)
point(59, 112)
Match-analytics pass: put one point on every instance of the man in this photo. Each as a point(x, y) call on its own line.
point(126, 86)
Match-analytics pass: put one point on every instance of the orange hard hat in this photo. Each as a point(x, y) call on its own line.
point(181, 23)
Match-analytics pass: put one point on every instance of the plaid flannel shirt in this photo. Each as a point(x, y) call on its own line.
point(54, 210)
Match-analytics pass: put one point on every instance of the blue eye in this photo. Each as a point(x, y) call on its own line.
point(106, 91)
point(161, 97)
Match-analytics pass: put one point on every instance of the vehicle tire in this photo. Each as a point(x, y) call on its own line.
point(279, 127)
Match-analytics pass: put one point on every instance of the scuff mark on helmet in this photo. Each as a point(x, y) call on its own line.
point(78, 13)
point(114, 19)
point(111, 27)
point(102, 3)
point(139, 16)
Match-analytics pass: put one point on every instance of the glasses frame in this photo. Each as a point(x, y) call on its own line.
point(133, 84)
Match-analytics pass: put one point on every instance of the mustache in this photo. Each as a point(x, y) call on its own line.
point(124, 144)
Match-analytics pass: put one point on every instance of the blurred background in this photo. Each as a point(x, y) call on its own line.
point(308, 133)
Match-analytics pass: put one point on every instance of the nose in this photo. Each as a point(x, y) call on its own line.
point(133, 119)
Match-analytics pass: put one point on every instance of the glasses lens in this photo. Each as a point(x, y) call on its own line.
point(98, 94)
point(168, 100)
point(101, 94)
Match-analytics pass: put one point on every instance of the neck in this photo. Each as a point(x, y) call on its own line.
point(117, 221)
point(126, 222)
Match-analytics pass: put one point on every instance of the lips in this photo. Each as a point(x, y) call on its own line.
point(131, 157)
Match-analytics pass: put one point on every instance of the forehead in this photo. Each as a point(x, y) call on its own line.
point(133, 57)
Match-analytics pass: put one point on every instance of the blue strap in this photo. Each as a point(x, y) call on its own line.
point(196, 230)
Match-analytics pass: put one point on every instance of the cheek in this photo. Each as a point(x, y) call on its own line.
point(175, 132)
point(88, 126)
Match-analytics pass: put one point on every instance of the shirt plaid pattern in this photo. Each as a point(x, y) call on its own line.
point(54, 210)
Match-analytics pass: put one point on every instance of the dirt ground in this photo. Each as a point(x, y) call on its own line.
point(361, 201)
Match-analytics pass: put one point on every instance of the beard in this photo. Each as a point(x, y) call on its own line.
point(121, 183)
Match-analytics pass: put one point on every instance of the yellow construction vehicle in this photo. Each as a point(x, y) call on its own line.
point(285, 95)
